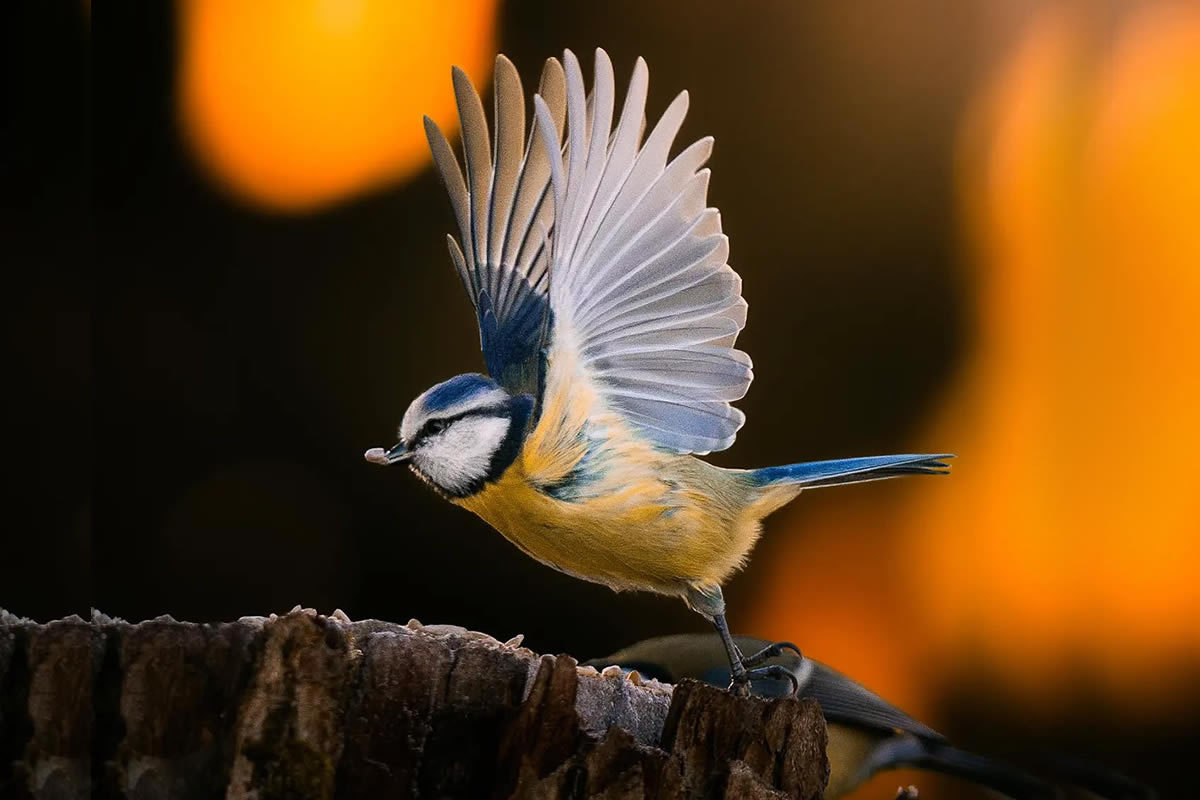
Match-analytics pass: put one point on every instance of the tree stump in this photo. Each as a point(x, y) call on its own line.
point(309, 706)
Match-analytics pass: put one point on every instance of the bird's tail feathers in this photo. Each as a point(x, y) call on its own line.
point(1099, 780)
point(909, 751)
point(851, 470)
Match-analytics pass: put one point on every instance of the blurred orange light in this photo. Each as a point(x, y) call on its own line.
point(294, 104)
point(1062, 556)
point(1069, 546)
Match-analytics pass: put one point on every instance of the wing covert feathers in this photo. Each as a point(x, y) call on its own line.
point(640, 283)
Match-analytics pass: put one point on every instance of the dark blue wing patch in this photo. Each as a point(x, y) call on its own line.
point(513, 343)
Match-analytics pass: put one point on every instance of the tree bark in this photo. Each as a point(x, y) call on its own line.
point(309, 706)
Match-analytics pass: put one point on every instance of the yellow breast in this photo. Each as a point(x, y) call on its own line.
point(621, 538)
point(848, 748)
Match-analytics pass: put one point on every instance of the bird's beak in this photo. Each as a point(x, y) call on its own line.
point(377, 455)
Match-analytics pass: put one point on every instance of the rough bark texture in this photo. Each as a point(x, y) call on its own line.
point(309, 706)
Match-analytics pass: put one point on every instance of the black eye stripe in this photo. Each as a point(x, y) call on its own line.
point(439, 424)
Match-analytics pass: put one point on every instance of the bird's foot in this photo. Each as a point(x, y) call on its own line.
point(907, 793)
point(752, 669)
point(770, 651)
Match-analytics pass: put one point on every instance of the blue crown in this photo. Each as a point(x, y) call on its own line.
point(457, 389)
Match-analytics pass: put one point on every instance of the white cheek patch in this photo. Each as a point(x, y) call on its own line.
point(460, 456)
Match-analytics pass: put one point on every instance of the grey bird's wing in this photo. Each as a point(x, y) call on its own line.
point(845, 700)
point(505, 215)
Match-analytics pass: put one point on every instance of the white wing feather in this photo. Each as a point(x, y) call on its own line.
point(501, 201)
point(640, 279)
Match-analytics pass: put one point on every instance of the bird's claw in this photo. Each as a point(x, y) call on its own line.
point(751, 668)
point(774, 671)
point(740, 685)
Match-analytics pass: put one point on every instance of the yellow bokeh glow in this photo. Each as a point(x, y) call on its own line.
point(295, 104)
point(1060, 562)
point(1071, 538)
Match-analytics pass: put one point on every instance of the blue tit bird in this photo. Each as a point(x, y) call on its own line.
point(867, 734)
point(607, 316)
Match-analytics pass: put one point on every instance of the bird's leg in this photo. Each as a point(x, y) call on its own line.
point(711, 604)
point(740, 680)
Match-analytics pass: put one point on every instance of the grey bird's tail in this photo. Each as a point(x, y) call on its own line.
point(910, 751)
point(851, 470)
point(1097, 780)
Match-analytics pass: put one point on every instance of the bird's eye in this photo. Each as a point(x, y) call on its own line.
point(436, 426)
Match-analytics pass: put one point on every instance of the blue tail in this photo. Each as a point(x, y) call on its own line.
point(852, 470)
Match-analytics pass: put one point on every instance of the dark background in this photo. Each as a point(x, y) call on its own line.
point(192, 381)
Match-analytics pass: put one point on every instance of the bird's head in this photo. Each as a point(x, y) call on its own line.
point(460, 434)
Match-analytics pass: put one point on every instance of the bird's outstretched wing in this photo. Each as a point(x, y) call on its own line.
point(505, 215)
point(645, 307)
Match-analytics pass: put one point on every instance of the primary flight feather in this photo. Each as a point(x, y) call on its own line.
point(607, 316)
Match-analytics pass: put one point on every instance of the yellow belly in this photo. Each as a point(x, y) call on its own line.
point(659, 527)
point(848, 748)
point(632, 517)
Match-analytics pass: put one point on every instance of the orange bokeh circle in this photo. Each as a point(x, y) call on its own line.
point(295, 104)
